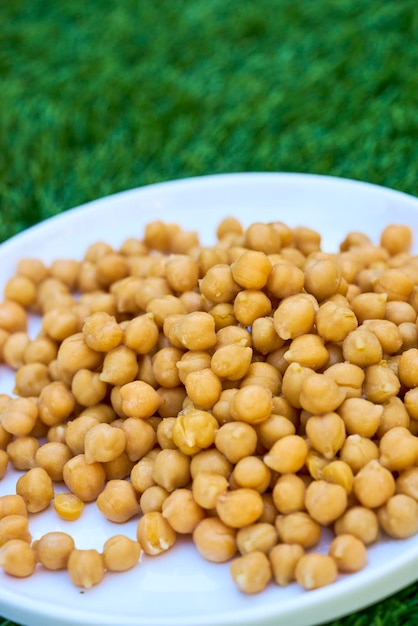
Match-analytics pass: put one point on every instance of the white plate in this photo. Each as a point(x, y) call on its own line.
point(180, 588)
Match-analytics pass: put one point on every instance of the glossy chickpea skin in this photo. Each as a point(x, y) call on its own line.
point(85, 568)
point(36, 489)
point(121, 553)
point(17, 558)
point(118, 501)
point(53, 550)
point(251, 572)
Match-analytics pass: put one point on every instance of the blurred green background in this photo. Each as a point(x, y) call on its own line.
point(100, 96)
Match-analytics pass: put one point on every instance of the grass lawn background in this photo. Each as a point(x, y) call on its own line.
point(100, 96)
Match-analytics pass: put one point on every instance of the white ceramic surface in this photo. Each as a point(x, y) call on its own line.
point(180, 588)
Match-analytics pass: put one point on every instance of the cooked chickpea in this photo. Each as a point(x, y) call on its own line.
point(407, 482)
point(14, 526)
point(17, 558)
point(194, 430)
point(56, 403)
point(21, 452)
point(14, 347)
point(394, 415)
point(251, 572)
point(252, 472)
point(334, 321)
point(214, 540)
point(212, 461)
point(182, 511)
point(326, 433)
point(287, 455)
point(357, 451)
point(388, 334)
point(139, 399)
point(315, 570)
point(325, 502)
point(283, 558)
point(398, 449)
point(236, 440)
point(36, 489)
point(53, 550)
point(19, 416)
point(120, 366)
point(298, 527)
point(360, 522)
point(171, 469)
point(231, 361)
point(85, 480)
point(250, 304)
point(285, 279)
point(361, 347)
point(12, 504)
point(398, 516)
point(118, 501)
point(31, 378)
point(203, 388)
point(294, 316)
point(52, 456)
point(120, 553)
point(239, 507)
point(103, 443)
point(349, 553)
point(273, 428)
point(360, 416)
point(289, 494)
point(154, 533)
point(13, 316)
point(251, 404)
point(396, 238)
point(85, 568)
point(373, 485)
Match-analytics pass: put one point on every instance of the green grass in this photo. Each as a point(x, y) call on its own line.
point(101, 96)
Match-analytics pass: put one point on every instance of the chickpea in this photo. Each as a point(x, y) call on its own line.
point(340, 473)
point(152, 499)
point(289, 494)
point(203, 388)
point(21, 452)
point(30, 379)
point(252, 269)
point(361, 347)
point(287, 455)
point(19, 416)
point(85, 480)
point(408, 368)
point(396, 238)
point(294, 316)
point(154, 533)
point(120, 553)
point(14, 526)
point(315, 570)
point(52, 456)
point(308, 350)
point(13, 316)
point(212, 461)
point(273, 428)
point(12, 505)
point(68, 506)
point(171, 469)
point(231, 361)
point(381, 383)
point(349, 553)
point(103, 443)
point(387, 332)
point(360, 416)
point(252, 473)
point(394, 414)
point(120, 366)
point(284, 558)
point(373, 485)
point(360, 522)
point(14, 347)
point(206, 488)
point(326, 433)
point(53, 550)
point(357, 451)
point(398, 516)
point(194, 430)
point(74, 354)
point(118, 501)
point(325, 502)
point(398, 449)
point(251, 404)
point(182, 511)
point(285, 279)
point(139, 399)
point(196, 331)
point(251, 572)
point(85, 568)
point(369, 306)
point(240, 507)
point(56, 403)
point(298, 527)
point(236, 440)
point(17, 558)
point(334, 321)
point(36, 489)
point(292, 382)
point(214, 540)
point(398, 312)
point(407, 482)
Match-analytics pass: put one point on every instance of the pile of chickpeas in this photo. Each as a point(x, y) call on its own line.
point(247, 394)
